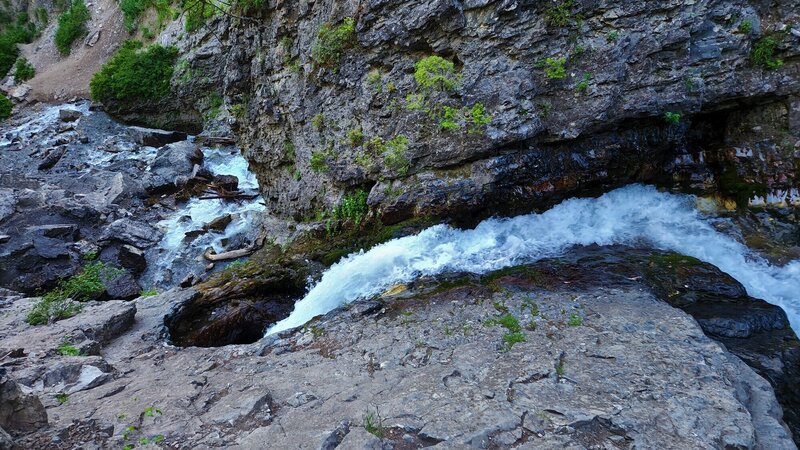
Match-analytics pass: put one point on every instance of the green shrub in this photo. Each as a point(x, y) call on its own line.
point(477, 117)
point(612, 36)
point(395, 154)
point(435, 73)
point(198, 12)
point(449, 119)
point(65, 349)
point(319, 162)
point(318, 122)
point(23, 70)
point(332, 41)
point(16, 33)
point(583, 86)
point(763, 53)
point(60, 303)
point(355, 137)
point(554, 68)
point(41, 16)
point(5, 107)
point(353, 207)
point(746, 26)
point(134, 73)
point(559, 15)
point(672, 117)
point(71, 26)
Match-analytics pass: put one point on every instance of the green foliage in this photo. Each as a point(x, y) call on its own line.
point(41, 16)
point(65, 349)
point(373, 424)
point(672, 117)
point(434, 73)
point(289, 150)
point(514, 333)
point(71, 26)
point(214, 105)
point(559, 15)
point(319, 162)
point(197, 12)
point(5, 107)
point(513, 338)
point(60, 302)
point(23, 70)
point(560, 369)
point(318, 122)
point(135, 73)
point(353, 207)
point(151, 411)
point(415, 102)
point(575, 320)
point(612, 36)
point(584, 84)
point(152, 292)
point(394, 157)
point(477, 118)
point(374, 79)
point(763, 53)
point(131, 10)
point(13, 34)
point(355, 137)
point(554, 68)
point(746, 26)
point(449, 119)
point(332, 41)
point(62, 398)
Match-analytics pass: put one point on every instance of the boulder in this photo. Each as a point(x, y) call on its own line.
point(132, 258)
point(123, 287)
point(19, 412)
point(128, 231)
point(69, 115)
point(152, 137)
point(173, 166)
point(219, 224)
point(52, 157)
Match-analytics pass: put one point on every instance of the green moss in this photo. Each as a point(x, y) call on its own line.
point(135, 74)
point(65, 349)
point(71, 26)
point(435, 73)
point(672, 117)
point(318, 122)
point(355, 137)
point(746, 26)
point(332, 41)
point(319, 162)
point(152, 292)
point(732, 185)
point(763, 53)
point(395, 154)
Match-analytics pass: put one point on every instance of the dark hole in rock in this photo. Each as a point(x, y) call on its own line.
point(203, 323)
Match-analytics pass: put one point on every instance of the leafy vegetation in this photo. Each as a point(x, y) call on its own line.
point(434, 73)
point(555, 68)
point(373, 424)
point(394, 154)
point(746, 26)
point(135, 73)
point(672, 117)
point(319, 162)
point(332, 41)
point(583, 86)
point(355, 137)
point(133, 9)
point(5, 107)
point(152, 292)
point(66, 349)
point(71, 26)
point(62, 398)
point(15, 31)
point(197, 12)
point(318, 122)
point(575, 320)
point(559, 15)
point(514, 333)
point(23, 70)
point(353, 207)
point(763, 53)
point(60, 303)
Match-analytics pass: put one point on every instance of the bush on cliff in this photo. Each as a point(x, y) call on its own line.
point(135, 73)
point(5, 107)
point(71, 26)
point(20, 32)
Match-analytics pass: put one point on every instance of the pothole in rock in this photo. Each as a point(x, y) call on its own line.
point(200, 323)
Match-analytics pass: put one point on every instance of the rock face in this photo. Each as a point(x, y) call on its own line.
point(317, 126)
point(433, 365)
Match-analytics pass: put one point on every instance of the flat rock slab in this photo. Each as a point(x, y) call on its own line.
point(155, 138)
point(599, 368)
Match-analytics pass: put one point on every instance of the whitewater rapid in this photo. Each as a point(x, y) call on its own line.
point(633, 215)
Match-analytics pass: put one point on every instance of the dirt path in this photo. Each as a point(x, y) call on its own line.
point(63, 78)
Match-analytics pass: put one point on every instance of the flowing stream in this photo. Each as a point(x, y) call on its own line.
point(633, 215)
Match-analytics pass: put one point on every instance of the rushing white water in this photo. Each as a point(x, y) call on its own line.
point(39, 122)
point(633, 215)
point(178, 254)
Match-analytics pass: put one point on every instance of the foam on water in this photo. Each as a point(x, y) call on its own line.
point(40, 121)
point(632, 215)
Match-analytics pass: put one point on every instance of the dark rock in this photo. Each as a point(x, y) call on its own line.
point(132, 258)
point(155, 138)
point(69, 115)
point(226, 182)
point(4, 238)
point(52, 157)
point(130, 232)
point(219, 224)
point(189, 280)
point(65, 230)
point(173, 166)
point(123, 287)
point(19, 412)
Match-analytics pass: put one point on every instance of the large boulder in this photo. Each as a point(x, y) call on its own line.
point(19, 412)
point(173, 166)
point(152, 137)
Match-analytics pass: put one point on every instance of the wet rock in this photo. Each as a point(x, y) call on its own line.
point(219, 224)
point(52, 157)
point(7, 203)
point(131, 232)
point(69, 115)
point(132, 258)
point(6, 443)
point(4, 238)
point(122, 287)
point(189, 280)
point(19, 412)
point(173, 166)
point(155, 138)
point(65, 231)
point(226, 182)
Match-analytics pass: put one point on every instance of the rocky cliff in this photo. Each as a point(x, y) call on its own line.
point(530, 101)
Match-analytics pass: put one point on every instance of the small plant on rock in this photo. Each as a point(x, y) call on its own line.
point(554, 68)
point(332, 41)
point(763, 53)
point(373, 424)
point(353, 207)
point(395, 154)
point(71, 26)
point(672, 117)
point(746, 26)
point(23, 70)
point(67, 349)
point(5, 107)
point(434, 73)
point(319, 162)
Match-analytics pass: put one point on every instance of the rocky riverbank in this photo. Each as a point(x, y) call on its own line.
point(537, 357)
